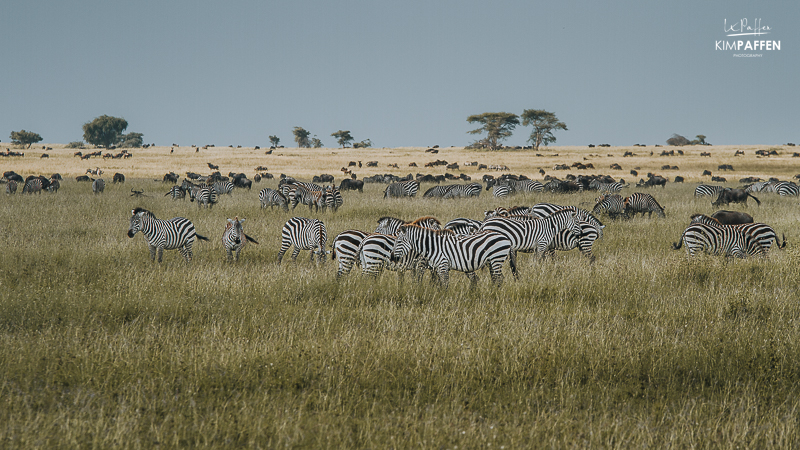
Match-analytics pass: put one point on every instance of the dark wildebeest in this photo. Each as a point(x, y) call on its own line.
point(170, 178)
point(733, 196)
point(351, 185)
point(82, 178)
point(656, 180)
point(118, 178)
point(732, 217)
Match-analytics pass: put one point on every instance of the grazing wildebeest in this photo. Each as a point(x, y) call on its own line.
point(118, 178)
point(732, 217)
point(352, 185)
point(733, 196)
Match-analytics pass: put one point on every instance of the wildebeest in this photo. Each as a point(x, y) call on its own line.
point(170, 178)
point(118, 178)
point(352, 185)
point(733, 196)
point(82, 178)
point(732, 217)
point(324, 178)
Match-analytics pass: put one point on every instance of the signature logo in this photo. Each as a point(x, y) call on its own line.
point(743, 28)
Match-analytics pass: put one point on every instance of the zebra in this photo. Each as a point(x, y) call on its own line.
point(759, 186)
point(303, 234)
point(98, 185)
point(501, 190)
point(705, 190)
point(205, 196)
point(11, 187)
point(786, 188)
point(639, 202)
point(717, 240)
point(391, 225)
point(272, 198)
point(463, 225)
point(345, 250)
point(33, 185)
point(613, 205)
point(333, 198)
point(234, 238)
point(444, 251)
point(177, 192)
point(54, 185)
point(535, 235)
point(463, 191)
point(223, 187)
point(610, 188)
point(524, 186)
point(310, 198)
point(759, 233)
point(164, 234)
point(374, 254)
point(437, 191)
point(401, 189)
point(505, 212)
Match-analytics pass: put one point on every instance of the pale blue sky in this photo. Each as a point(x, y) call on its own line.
point(401, 73)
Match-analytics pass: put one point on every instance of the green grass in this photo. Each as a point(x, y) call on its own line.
point(645, 348)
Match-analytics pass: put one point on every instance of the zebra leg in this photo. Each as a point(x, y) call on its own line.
point(236, 257)
point(496, 271)
point(229, 253)
point(160, 253)
point(284, 246)
point(152, 253)
point(186, 251)
point(512, 262)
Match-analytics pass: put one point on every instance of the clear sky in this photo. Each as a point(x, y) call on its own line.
point(401, 73)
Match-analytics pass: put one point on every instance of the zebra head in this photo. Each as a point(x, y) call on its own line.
point(136, 221)
point(402, 245)
point(237, 231)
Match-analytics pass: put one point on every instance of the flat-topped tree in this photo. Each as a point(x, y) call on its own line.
point(104, 131)
point(343, 137)
point(23, 137)
point(497, 126)
point(543, 123)
point(301, 137)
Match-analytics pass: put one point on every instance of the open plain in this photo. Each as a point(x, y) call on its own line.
point(102, 348)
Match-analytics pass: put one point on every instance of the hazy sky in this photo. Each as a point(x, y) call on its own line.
point(401, 73)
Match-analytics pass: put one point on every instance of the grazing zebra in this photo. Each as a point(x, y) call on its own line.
point(333, 198)
point(164, 234)
point(303, 234)
point(345, 250)
point(513, 211)
point(444, 251)
point(717, 240)
point(272, 198)
point(463, 191)
point(761, 186)
point(205, 196)
point(542, 210)
point(54, 185)
point(177, 192)
point(11, 187)
point(786, 188)
point(759, 234)
point(705, 190)
point(535, 235)
point(501, 190)
point(33, 185)
point(311, 198)
point(401, 189)
point(391, 225)
point(307, 186)
point(613, 205)
point(223, 187)
point(374, 254)
point(609, 188)
point(463, 225)
point(234, 238)
point(639, 202)
point(98, 185)
point(524, 186)
point(437, 191)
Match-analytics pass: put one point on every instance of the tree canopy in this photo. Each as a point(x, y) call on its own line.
point(104, 131)
point(23, 137)
point(131, 140)
point(301, 137)
point(543, 123)
point(343, 137)
point(678, 140)
point(497, 126)
point(274, 140)
point(315, 142)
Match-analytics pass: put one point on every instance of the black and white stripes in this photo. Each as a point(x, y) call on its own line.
point(176, 233)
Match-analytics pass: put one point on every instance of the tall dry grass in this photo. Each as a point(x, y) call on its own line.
point(102, 348)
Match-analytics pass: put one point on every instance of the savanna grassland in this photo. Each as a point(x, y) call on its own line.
point(101, 348)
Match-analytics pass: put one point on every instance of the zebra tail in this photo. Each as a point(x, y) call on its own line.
point(784, 242)
point(251, 239)
point(202, 238)
point(754, 198)
point(679, 244)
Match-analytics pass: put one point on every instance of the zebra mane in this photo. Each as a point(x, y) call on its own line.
point(448, 232)
point(422, 219)
point(138, 210)
point(702, 218)
point(384, 218)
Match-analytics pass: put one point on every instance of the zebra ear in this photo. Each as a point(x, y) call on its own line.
point(230, 221)
point(241, 220)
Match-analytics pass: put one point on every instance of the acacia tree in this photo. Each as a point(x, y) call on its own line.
point(315, 142)
point(343, 137)
point(301, 137)
point(104, 131)
point(677, 140)
point(497, 126)
point(23, 137)
point(131, 140)
point(274, 140)
point(543, 123)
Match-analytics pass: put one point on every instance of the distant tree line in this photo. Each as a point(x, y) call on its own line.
point(679, 141)
point(499, 126)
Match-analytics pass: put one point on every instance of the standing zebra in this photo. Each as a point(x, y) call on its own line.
point(462, 225)
point(445, 251)
point(314, 199)
point(705, 190)
point(54, 185)
point(33, 185)
point(98, 185)
point(715, 240)
point(639, 202)
point(333, 198)
point(391, 225)
point(613, 205)
point(610, 188)
point(205, 196)
point(272, 198)
point(501, 190)
point(524, 186)
point(374, 254)
point(177, 192)
point(11, 187)
point(164, 234)
point(234, 238)
point(223, 187)
point(345, 250)
point(513, 211)
point(437, 191)
point(401, 189)
point(533, 235)
point(786, 188)
point(760, 234)
point(463, 191)
point(303, 234)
